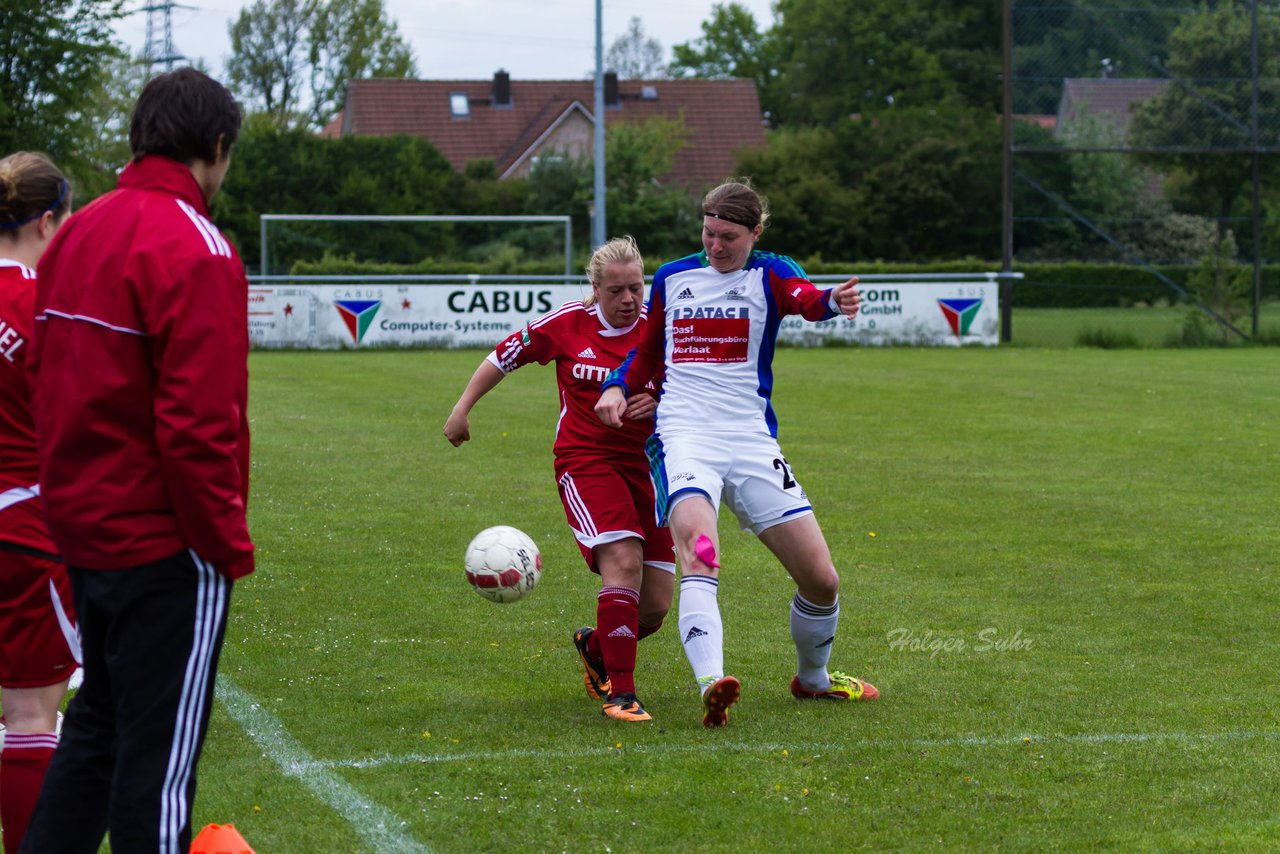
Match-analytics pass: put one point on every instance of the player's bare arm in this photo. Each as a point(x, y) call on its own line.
point(848, 298)
point(457, 429)
point(612, 406)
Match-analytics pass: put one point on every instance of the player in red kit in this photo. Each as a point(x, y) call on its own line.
point(38, 643)
point(602, 474)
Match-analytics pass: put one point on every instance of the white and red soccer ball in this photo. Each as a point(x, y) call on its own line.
point(503, 564)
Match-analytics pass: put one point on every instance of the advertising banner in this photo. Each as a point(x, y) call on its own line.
point(360, 315)
point(926, 314)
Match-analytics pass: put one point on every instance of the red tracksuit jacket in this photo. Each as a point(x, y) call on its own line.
point(140, 379)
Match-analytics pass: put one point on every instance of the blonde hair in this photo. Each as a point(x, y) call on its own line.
point(619, 250)
point(30, 187)
point(738, 202)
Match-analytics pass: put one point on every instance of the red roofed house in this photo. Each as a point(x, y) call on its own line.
point(513, 122)
point(1109, 100)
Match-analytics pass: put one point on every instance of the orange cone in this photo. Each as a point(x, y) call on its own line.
point(220, 839)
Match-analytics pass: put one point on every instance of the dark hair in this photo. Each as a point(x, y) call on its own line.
point(738, 202)
point(30, 187)
point(181, 114)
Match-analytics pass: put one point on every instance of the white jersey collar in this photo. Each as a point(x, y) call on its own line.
point(26, 271)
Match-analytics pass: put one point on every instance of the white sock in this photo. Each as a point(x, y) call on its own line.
point(701, 631)
point(813, 629)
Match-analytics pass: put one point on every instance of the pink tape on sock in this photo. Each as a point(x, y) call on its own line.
point(705, 551)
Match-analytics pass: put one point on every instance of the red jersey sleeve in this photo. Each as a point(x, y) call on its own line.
point(533, 343)
point(794, 293)
point(199, 345)
point(645, 363)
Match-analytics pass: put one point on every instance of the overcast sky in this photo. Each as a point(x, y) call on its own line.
point(471, 39)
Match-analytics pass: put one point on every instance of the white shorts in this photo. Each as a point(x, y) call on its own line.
point(748, 473)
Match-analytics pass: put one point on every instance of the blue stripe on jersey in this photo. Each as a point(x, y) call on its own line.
point(658, 474)
point(615, 377)
point(768, 344)
point(688, 262)
point(790, 269)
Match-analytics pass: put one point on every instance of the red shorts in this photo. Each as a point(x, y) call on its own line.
point(606, 501)
point(38, 641)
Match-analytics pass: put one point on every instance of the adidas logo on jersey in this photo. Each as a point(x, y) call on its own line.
point(694, 632)
point(587, 354)
point(622, 632)
point(685, 294)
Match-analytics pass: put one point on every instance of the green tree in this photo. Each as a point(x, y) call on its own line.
point(814, 204)
point(1208, 106)
point(1053, 41)
point(278, 47)
point(560, 184)
point(965, 37)
point(659, 215)
point(639, 154)
point(350, 40)
point(268, 52)
point(634, 55)
point(105, 153)
point(295, 171)
point(845, 57)
point(732, 45)
point(52, 58)
point(905, 184)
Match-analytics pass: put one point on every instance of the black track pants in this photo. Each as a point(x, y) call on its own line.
point(132, 736)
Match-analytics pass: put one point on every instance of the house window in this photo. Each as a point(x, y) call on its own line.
point(549, 158)
point(459, 105)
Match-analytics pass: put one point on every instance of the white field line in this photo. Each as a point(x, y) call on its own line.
point(374, 824)
point(816, 747)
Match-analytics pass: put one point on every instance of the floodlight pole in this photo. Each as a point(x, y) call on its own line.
point(598, 221)
point(1006, 178)
point(1256, 176)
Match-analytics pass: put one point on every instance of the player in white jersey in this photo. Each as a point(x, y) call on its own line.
point(714, 320)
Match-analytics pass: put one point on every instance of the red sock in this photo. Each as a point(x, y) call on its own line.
point(617, 626)
point(23, 762)
point(645, 631)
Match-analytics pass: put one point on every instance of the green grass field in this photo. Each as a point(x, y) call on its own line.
point(1147, 327)
point(1058, 566)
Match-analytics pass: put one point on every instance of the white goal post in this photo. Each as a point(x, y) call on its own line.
point(263, 219)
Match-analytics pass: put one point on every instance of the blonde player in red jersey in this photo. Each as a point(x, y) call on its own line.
point(38, 643)
point(602, 473)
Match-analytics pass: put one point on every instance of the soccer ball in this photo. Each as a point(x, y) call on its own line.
point(503, 564)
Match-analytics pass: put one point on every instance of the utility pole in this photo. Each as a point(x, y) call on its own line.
point(1006, 171)
point(598, 220)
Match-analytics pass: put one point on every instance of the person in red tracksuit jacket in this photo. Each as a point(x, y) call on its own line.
point(140, 381)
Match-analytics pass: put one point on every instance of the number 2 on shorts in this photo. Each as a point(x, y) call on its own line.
point(787, 480)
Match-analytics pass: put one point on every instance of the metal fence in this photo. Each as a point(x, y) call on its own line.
point(1146, 134)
